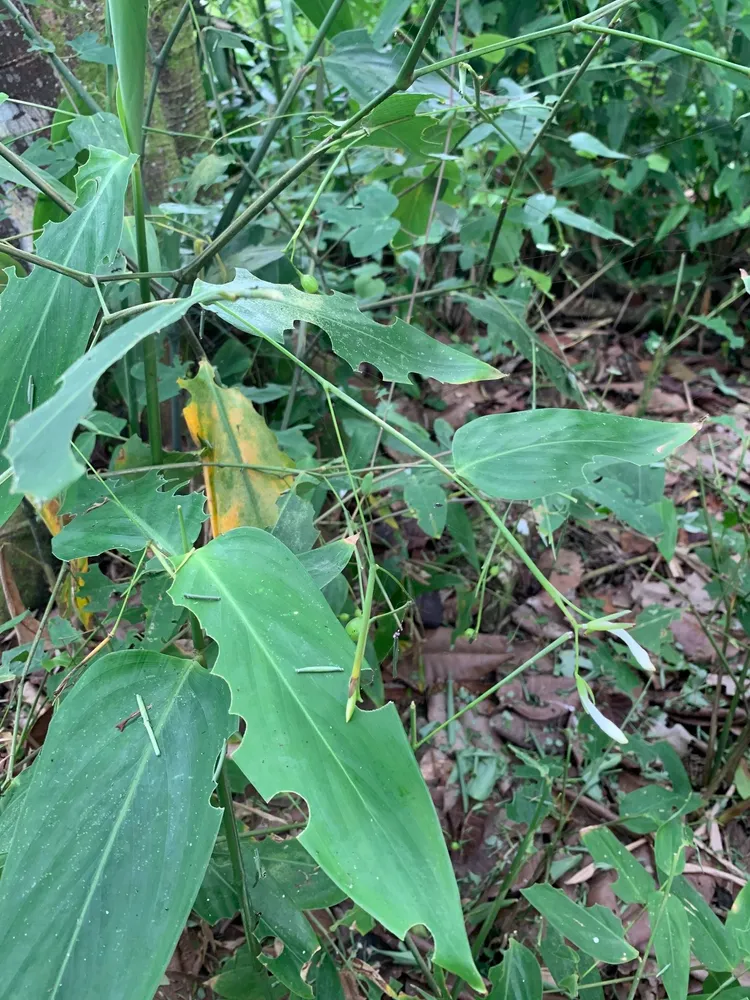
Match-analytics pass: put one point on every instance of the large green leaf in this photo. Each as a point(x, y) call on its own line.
point(316, 11)
point(396, 350)
point(518, 977)
point(671, 931)
point(372, 825)
point(711, 942)
point(136, 511)
point(113, 840)
point(634, 884)
point(738, 921)
point(521, 456)
point(39, 449)
point(47, 317)
point(594, 929)
point(129, 23)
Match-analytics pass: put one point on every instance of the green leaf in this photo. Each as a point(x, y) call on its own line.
point(88, 48)
point(386, 851)
point(710, 941)
point(316, 10)
point(116, 837)
point(738, 922)
point(634, 884)
point(424, 494)
point(671, 936)
point(671, 220)
point(396, 350)
point(504, 323)
point(632, 493)
point(205, 173)
point(326, 562)
point(136, 512)
point(576, 221)
point(128, 21)
point(720, 326)
point(520, 456)
point(371, 223)
point(589, 146)
point(518, 977)
point(594, 929)
point(388, 21)
point(47, 317)
point(561, 961)
point(273, 900)
point(669, 846)
point(40, 449)
point(102, 130)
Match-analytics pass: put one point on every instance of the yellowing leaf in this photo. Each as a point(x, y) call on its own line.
point(225, 425)
point(49, 513)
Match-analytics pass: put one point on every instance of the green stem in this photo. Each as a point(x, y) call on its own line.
point(43, 45)
point(406, 73)
point(14, 742)
point(150, 361)
point(34, 178)
point(496, 687)
point(507, 883)
point(50, 265)
point(670, 47)
point(508, 43)
point(224, 794)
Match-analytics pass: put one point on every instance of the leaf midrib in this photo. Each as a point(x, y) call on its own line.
point(146, 755)
point(86, 210)
point(276, 667)
point(541, 444)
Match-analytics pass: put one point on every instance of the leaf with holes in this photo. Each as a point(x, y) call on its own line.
point(137, 511)
point(117, 838)
point(396, 350)
point(372, 827)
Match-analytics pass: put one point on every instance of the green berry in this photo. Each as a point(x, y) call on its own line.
point(309, 283)
point(354, 627)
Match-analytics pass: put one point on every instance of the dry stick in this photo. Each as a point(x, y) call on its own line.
point(42, 44)
point(564, 303)
point(571, 84)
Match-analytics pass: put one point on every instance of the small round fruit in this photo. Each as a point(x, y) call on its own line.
point(354, 627)
point(309, 283)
